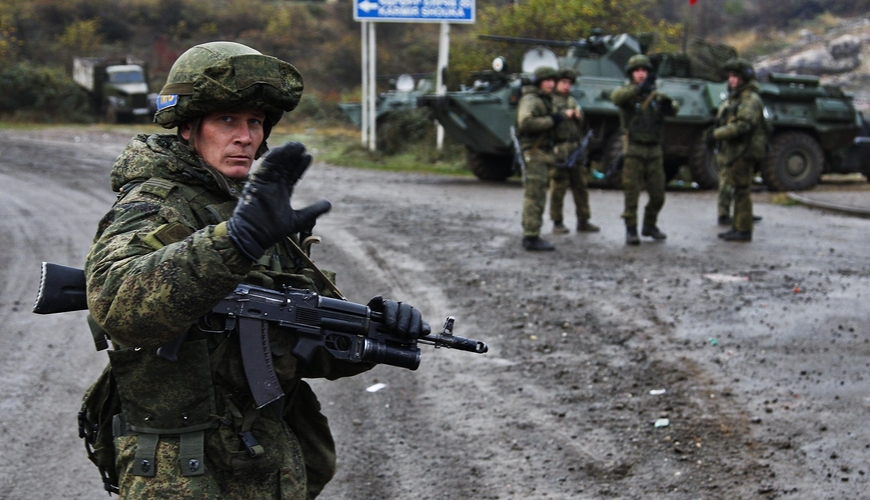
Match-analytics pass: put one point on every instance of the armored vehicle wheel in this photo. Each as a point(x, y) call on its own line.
point(795, 162)
point(702, 165)
point(488, 166)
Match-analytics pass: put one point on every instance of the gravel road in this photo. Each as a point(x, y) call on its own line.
point(689, 369)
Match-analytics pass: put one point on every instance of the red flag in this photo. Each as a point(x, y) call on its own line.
point(692, 2)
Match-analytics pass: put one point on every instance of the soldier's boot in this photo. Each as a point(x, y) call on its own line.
point(735, 235)
point(559, 227)
point(536, 244)
point(587, 227)
point(631, 237)
point(725, 220)
point(653, 232)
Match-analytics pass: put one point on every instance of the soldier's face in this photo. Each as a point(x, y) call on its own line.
point(548, 85)
point(639, 75)
point(563, 86)
point(228, 141)
point(733, 81)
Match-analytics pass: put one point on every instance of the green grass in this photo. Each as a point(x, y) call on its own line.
point(341, 145)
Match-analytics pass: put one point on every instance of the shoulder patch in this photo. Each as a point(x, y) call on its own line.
point(158, 187)
point(166, 101)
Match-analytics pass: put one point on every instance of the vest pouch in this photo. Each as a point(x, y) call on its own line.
point(165, 397)
point(756, 148)
point(645, 128)
point(99, 406)
point(249, 443)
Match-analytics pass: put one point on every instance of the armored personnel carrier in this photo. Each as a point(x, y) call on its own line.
point(813, 127)
point(403, 96)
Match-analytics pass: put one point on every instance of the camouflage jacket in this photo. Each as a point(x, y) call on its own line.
point(567, 133)
point(535, 124)
point(642, 117)
point(740, 126)
point(156, 267)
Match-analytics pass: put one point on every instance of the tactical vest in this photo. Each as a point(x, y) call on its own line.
point(123, 401)
point(643, 122)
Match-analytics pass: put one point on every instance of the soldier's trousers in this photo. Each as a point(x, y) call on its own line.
point(537, 179)
point(561, 179)
point(740, 173)
point(639, 173)
point(726, 192)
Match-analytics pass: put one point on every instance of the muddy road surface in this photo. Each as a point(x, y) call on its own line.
point(689, 369)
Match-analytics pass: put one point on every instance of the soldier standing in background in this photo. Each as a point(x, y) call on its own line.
point(567, 138)
point(742, 140)
point(642, 113)
point(536, 121)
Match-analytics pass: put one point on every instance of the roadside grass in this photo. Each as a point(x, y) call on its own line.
point(783, 199)
point(340, 144)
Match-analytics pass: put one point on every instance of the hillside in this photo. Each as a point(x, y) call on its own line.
point(839, 55)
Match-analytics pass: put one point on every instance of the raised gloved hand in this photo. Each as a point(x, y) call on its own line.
point(263, 215)
point(667, 106)
point(648, 85)
point(401, 319)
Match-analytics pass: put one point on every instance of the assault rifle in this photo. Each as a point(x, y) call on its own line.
point(518, 152)
point(575, 155)
point(347, 330)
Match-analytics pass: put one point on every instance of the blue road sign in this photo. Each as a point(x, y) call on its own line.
point(415, 11)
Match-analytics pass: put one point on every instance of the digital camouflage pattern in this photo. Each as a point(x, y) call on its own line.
point(567, 138)
point(742, 135)
point(225, 76)
point(642, 118)
point(741, 127)
point(535, 130)
point(156, 267)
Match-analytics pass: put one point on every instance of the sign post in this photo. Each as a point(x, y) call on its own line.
point(367, 12)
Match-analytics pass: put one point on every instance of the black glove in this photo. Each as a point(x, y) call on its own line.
point(648, 85)
point(401, 319)
point(263, 215)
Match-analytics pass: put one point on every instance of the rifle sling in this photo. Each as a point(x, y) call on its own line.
point(304, 256)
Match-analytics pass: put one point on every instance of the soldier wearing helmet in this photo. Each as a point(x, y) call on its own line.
point(642, 110)
point(567, 139)
point(536, 122)
point(190, 224)
point(741, 135)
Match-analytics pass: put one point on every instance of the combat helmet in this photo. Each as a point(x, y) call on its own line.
point(637, 61)
point(568, 74)
point(227, 76)
point(545, 73)
point(740, 67)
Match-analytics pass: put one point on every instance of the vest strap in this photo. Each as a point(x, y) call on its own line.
point(191, 453)
point(145, 459)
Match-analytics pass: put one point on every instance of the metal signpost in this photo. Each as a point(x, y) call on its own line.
point(404, 11)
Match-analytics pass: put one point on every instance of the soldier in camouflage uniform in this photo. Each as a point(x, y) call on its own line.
point(567, 139)
point(536, 121)
point(642, 112)
point(188, 225)
point(742, 140)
